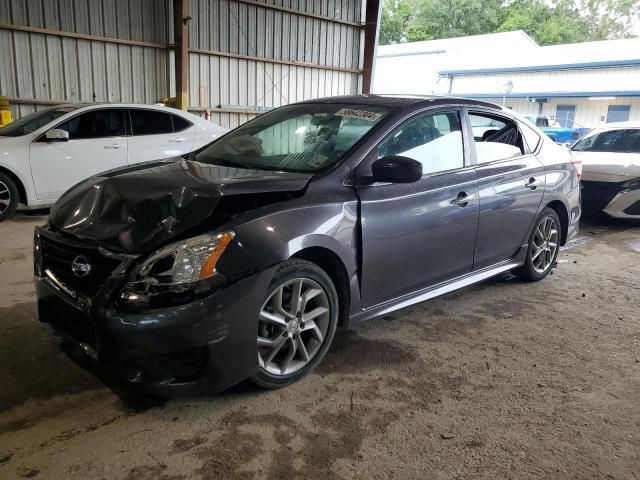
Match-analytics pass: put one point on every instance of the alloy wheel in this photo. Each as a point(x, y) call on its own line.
point(292, 325)
point(545, 244)
point(5, 197)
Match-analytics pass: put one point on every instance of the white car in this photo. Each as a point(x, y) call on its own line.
point(45, 153)
point(610, 159)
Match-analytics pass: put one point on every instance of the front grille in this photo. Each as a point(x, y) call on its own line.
point(58, 256)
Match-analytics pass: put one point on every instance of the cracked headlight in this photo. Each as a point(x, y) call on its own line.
point(179, 270)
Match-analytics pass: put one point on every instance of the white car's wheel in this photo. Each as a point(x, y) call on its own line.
point(9, 197)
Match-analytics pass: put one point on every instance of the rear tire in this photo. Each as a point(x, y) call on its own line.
point(544, 245)
point(9, 197)
point(296, 323)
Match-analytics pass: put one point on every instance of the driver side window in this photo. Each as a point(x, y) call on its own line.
point(434, 140)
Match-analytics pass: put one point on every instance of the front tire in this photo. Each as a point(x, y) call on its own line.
point(9, 197)
point(544, 245)
point(296, 323)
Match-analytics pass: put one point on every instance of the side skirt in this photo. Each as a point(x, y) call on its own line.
point(439, 289)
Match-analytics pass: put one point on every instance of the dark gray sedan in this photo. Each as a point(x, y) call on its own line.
point(240, 260)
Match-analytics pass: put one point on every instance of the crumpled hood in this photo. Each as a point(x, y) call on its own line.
point(138, 208)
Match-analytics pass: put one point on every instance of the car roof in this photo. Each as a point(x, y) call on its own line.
point(80, 107)
point(89, 105)
point(401, 101)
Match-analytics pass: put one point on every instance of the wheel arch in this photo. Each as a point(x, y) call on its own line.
point(333, 265)
point(22, 192)
point(563, 215)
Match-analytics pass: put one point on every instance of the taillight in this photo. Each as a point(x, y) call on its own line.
point(577, 165)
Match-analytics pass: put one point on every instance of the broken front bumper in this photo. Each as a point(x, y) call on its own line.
point(204, 346)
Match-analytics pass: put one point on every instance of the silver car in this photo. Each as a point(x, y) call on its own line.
point(610, 158)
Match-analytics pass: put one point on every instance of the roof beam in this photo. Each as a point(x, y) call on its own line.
point(299, 12)
point(273, 60)
point(81, 36)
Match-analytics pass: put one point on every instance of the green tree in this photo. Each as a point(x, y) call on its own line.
point(608, 19)
point(455, 18)
point(396, 19)
point(548, 22)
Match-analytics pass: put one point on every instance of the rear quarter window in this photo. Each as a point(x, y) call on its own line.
point(531, 137)
point(179, 123)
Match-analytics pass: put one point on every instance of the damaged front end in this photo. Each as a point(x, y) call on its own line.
point(128, 268)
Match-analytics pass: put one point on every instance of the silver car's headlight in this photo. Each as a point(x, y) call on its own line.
point(177, 268)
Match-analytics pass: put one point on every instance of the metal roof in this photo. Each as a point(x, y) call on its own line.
point(608, 53)
point(447, 45)
point(552, 94)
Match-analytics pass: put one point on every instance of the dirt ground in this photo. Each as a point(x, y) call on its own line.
point(501, 380)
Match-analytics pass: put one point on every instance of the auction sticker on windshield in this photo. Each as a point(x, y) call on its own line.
point(362, 114)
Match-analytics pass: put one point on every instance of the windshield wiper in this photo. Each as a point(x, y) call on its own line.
point(223, 161)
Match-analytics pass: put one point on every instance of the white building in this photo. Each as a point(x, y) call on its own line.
point(583, 83)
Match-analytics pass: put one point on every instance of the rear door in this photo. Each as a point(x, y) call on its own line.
point(511, 184)
point(96, 143)
point(156, 134)
point(419, 234)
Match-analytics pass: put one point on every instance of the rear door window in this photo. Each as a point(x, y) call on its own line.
point(495, 138)
point(96, 124)
point(150, 122)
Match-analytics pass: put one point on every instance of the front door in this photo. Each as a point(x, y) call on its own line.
point(511, 184)
point(419, 234)
point(96, 143)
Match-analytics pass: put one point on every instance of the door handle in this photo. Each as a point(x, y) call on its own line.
point(462, 200)
point(114, 146)
point(177, 140)
point(532, 183)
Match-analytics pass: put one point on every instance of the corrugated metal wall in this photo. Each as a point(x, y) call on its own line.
point(48, 67)
point(245, 55)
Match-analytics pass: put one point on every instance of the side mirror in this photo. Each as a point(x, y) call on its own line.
point(396, 169)
point(57, 135)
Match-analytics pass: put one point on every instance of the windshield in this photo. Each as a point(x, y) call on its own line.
point(33, 121)
point(618, 141)
point(300, 138)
